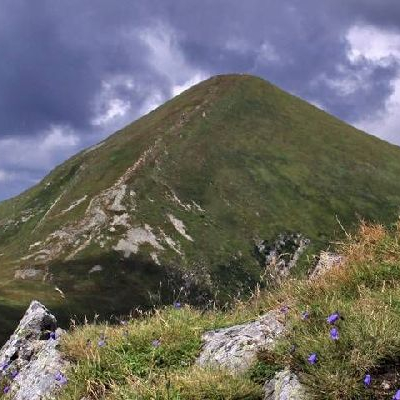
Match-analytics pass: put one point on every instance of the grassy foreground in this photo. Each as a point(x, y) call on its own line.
point(152, 357)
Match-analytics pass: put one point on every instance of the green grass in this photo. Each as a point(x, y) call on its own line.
point(131, 366)
point(366, 293)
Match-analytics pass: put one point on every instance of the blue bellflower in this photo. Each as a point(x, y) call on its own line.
point(367, 380)
point(4, 366)
point(177, 305)
point(334, 334)
point(61, 378)
point(14, 374)
point(284, 309)
point(305, 315)
point(313, 358)
point(333, 318)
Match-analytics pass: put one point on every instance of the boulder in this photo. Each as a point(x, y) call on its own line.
point(236, 348)
point(32, 367)
point(284, 386)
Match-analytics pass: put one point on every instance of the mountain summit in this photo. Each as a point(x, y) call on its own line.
point(186, 193)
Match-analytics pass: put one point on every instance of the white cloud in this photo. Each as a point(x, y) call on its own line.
point(381, 47)
point(267, 54)
point(108, 107)
point(163, 55)
point(38, 152)
point(178, 89)
point(237, 45)
point(387, 123)
point(348, 81)
point(115, 108)
point(152, 101)
point(372, 43)
point(166, 57)
point(4, 176)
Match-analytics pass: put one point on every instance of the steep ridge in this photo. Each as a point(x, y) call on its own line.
point(186, 194)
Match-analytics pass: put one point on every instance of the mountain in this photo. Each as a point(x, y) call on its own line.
point(184, 194)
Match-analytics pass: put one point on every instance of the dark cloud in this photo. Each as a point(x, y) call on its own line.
point(82, 69)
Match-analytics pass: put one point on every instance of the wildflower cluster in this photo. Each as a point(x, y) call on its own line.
point(333, 319)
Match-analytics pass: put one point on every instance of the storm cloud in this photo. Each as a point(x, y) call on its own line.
point(73, 72)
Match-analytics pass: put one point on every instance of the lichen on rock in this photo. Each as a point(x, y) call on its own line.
point(284, 386)
point(30, 361)
point(236, 348)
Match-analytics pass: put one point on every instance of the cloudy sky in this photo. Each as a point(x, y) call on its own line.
point(72, 72)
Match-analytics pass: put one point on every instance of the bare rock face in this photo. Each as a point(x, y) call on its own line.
point(236, 348)
point(30, 363)
point(284, 386)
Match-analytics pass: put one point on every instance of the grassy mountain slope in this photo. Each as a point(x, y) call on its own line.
point(190, 187)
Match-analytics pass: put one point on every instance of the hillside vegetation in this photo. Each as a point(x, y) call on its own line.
point(152, 357)
point(182, 196)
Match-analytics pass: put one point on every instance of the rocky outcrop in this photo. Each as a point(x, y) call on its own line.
point(32, 367)
point(28, 273)
point(236, 348)
point(282, 255)
point(326, 262)
point(284, 386)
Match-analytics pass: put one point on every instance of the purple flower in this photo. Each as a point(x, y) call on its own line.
point(334, 334)
point(53, 336)
point(397, 395)
point(177, 305)
point(333, 318)
point(367, 380)
point(101, 343)
point(312, 359)
point(13, 374)
point(305, 315)
point(60, 378)
point(284, 309)
point(156, 343)
point(4, 366)
point(6, 389)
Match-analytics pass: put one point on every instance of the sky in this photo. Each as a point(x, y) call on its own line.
point(73, 72)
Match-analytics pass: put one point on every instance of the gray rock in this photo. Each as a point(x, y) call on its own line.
point(282, 255)
point(326, 262)
point(96, 268)
point(28, 273)
point(34, 355)
point(284, 386)
point(236, 348)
